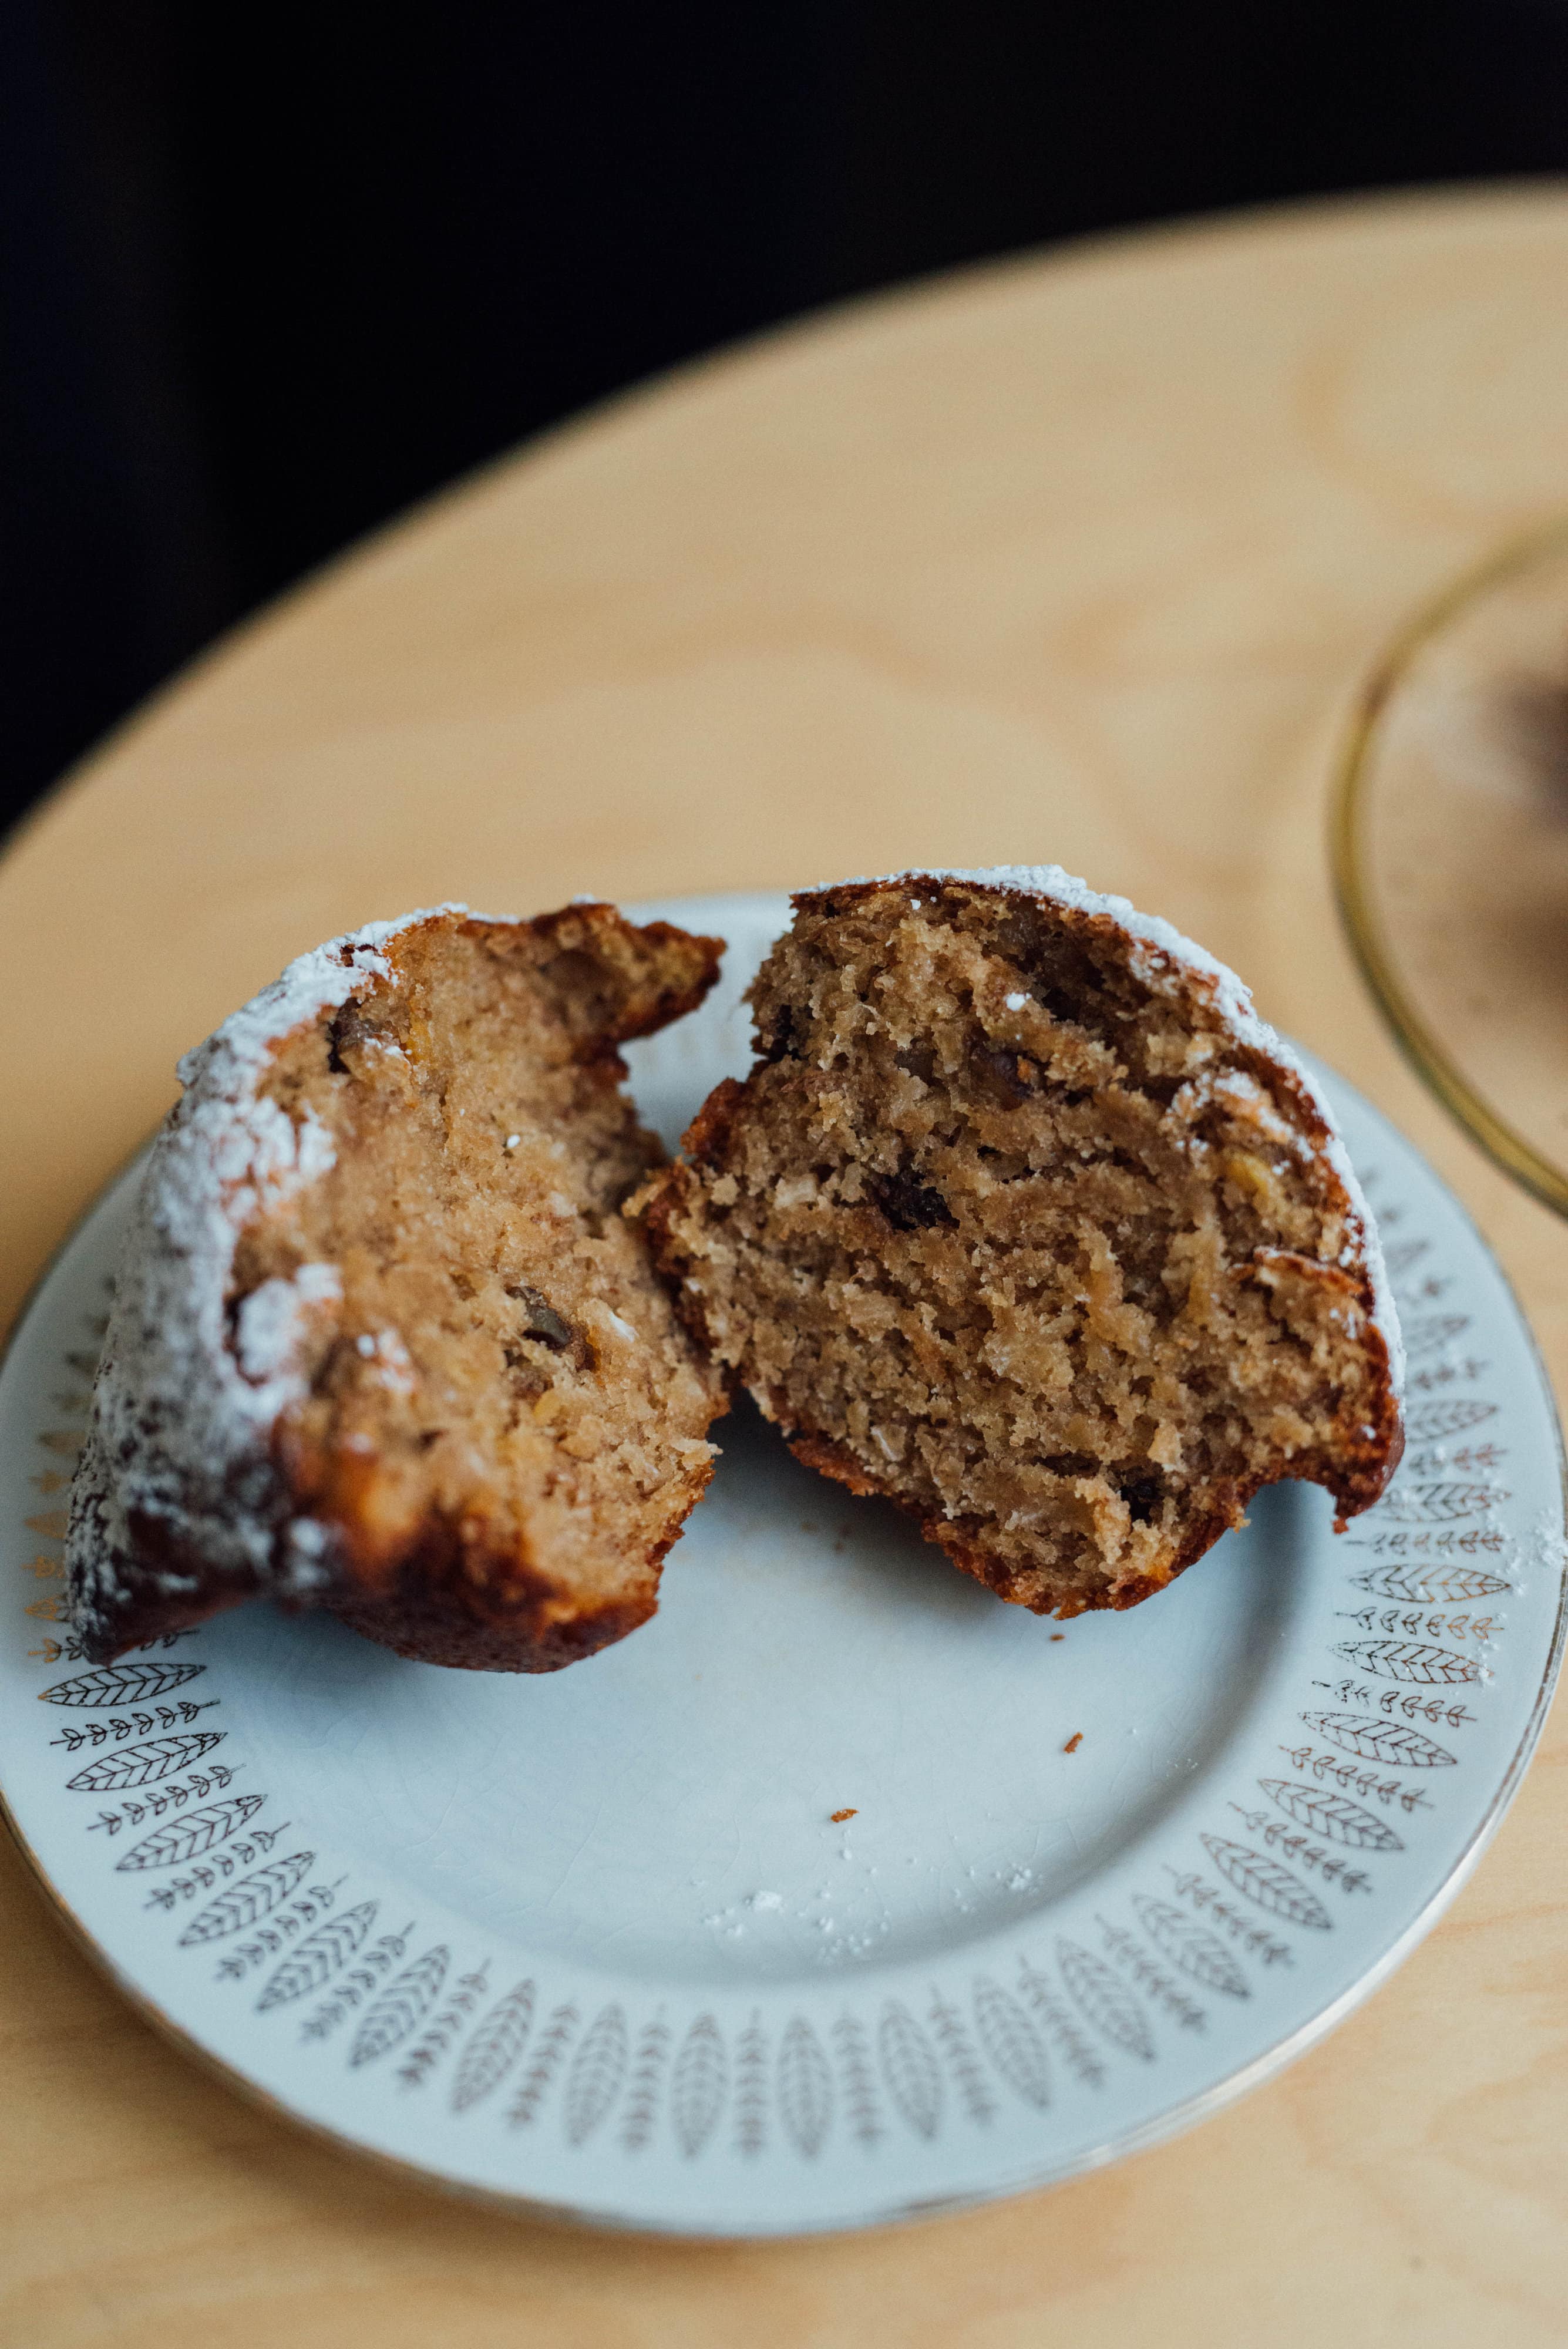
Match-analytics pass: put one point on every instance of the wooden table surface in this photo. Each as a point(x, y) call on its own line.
point(1078, 559)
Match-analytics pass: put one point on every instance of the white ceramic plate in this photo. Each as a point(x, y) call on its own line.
point(595, 1942)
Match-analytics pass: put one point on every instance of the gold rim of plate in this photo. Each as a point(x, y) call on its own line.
point(1350, 797)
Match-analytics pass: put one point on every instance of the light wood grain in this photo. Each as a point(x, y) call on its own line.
point(1078, 559)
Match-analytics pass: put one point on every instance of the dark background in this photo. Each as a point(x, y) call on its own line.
point(266, 277)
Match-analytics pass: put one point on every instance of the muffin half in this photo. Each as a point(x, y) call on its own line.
point(1024, 1220)
point(382, 1341)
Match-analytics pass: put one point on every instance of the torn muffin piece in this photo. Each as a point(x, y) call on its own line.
point(382, 1341)
point(1025, 1221)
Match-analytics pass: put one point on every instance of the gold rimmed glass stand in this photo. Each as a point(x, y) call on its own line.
point(1451, 851)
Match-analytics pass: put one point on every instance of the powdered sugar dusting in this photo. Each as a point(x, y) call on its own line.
point(184, 1406)
point(273, 1321)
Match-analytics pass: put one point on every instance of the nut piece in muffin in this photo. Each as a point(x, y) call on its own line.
point(1025, 1221)
point(382, 1341)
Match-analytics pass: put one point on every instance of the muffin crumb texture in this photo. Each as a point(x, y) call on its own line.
point(383, 1341)
point(1024, 1220)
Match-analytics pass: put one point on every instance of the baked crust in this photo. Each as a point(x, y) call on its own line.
point(382, 1342)
point(806, 1165)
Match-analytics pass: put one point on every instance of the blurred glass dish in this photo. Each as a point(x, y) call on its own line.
point(1451, 851)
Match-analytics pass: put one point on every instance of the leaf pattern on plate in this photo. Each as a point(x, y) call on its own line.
point(1435, 1330)
point(1409, 1660)
point(269, 1940)
point(1335, 1815)
point(496, 2043)
point(699, 2085)
point(1392, 1742)
point(1082, 2058)
point(914, 2076)
point(552, 2045)
point(1264, 1880)
point(849, 2043)
point(222, 1867)
point(351, 1988)
point(103, 1729)
point(1400, 1703)
point(597, 2070)
point(1407, 1623)
point(1254, 1938)
point(439, 2033)
point(405, 2001)
point(173, 1794)
point(1412, 1504)
point(1333, 1768)
point(198, 1831)
point(642, 2107)
point(1191, 1946)
point(1109, 2005)
point(1428, 1422)
point(963, 2064)
point(1424, 1585)
point(121, 1684)
point(318, 1957)
point(247, 1901)
point(1173, 1998)
point(752, 2089)
point(143, 1766)
point(805, 2086)
point(1010, 2039)
point(1332, 1865)
point(1400, 1260)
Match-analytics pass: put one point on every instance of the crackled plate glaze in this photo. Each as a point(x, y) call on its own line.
point(841, 1892)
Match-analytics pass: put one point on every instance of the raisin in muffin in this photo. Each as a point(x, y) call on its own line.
point(382, 1341)
point(1025, 1221)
